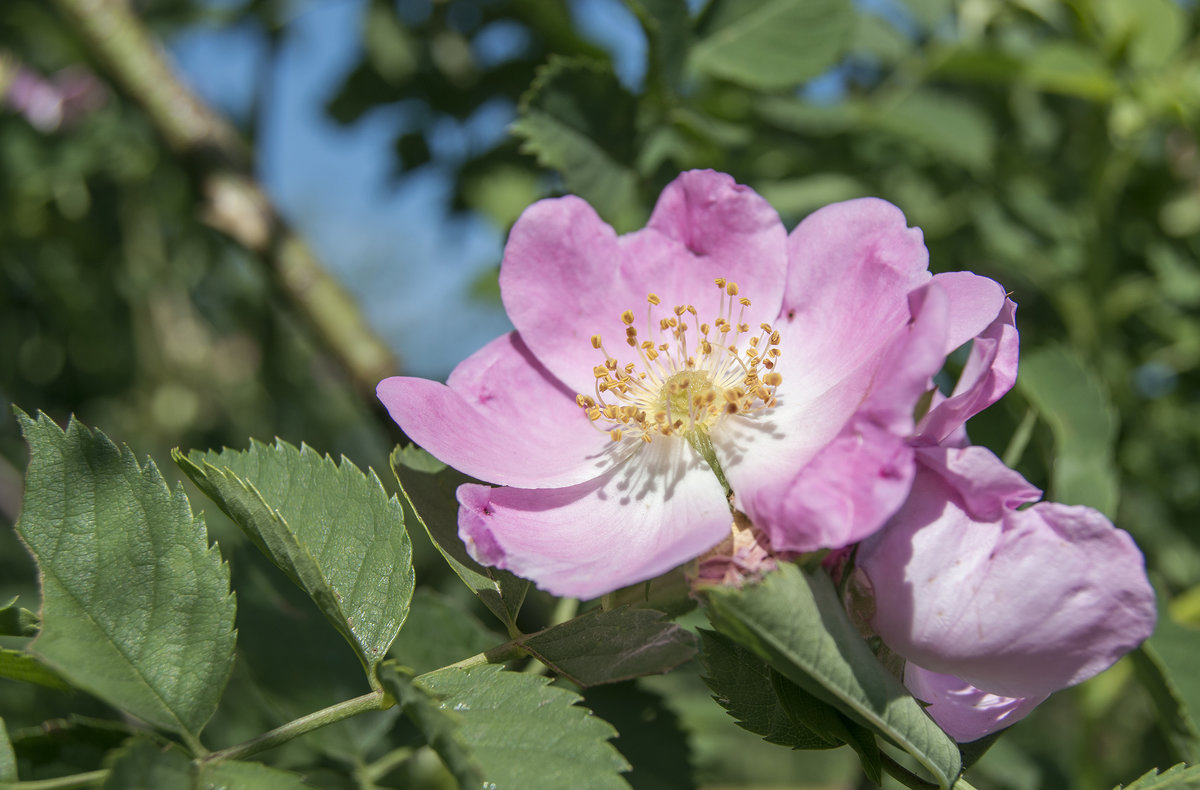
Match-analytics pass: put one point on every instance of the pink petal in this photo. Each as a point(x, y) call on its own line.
point(566, 275)
point(991, 371)
point(975, 302)
point(843, 495)
point(852, 267)
point(810, 488)
point(500, 417)
point(963, 711)
point(661, 508)
point(1016, 602)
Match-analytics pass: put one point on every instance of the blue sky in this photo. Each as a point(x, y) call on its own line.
point(392, 244)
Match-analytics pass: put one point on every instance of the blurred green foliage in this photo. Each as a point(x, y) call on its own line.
point(1051, 144)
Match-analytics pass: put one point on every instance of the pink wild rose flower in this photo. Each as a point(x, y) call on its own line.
point(995, 607)
point(711, 362)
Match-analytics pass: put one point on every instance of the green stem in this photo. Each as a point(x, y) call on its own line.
point(702, 443)
point(501, 654)
point(1020, 438)
point(60, 782)
point(301, 726)
point(373, 772)
point(905, 776)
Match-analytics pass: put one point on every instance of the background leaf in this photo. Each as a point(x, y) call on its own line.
point(136, 604)
point(1073, 400)
point(525, 734)
point(8, 760)
point(428, 485)
point(439, 632)
point(25, 667)
point(794, 620)
point(772, 44)
point(608, 647)
point(142, 763)
point(330, 527)
point(440, 727)
point(650, 735)
point(579, 120)
point(1179, 777)
point(17, 621)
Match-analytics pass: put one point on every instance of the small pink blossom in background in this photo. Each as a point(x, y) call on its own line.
point(50, 103)
point(821, 460)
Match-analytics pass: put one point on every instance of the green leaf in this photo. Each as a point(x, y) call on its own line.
point(525, 734)
point(772, 44)
point(25, 667)
point(794, 620)
point(331, 528)
point(8, 760)
point(143, 763)
point(440, 727)
point(428, 486)
point(743, 685)
point(668, 31)
point(822, 718)
point(1173, 716)
point(1179, 777)
point(950, 127)
point(438, 633)
point(136, 604)
point(1073, 400)
point(608, 647)
point(651, 737)
point(16, 621)
point(578, 119)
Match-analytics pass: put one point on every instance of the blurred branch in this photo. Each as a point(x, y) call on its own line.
point(236, 203)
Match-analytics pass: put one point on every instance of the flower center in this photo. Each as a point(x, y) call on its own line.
point(692, 374)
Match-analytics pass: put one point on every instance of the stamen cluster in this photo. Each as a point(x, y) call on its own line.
point(692, 375)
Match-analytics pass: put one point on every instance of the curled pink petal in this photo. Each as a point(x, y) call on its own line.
point(501, 417)
point(1018, 603)
point(963, 711)
point(990, 372)
point(658, 510)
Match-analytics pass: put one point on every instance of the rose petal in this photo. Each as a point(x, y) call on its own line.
point(500, 417)
point(852, 267)
point(1020, 603)
point(659, 509)
point(975, 302)
point(843, 495)
point(566, 276)
point(991, 371)
point(963, 711)
point(808, 489)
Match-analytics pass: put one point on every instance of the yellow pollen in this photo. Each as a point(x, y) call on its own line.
point(684, 383)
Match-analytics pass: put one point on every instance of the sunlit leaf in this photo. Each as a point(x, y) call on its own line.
point(608, 647)
point(136, 604)
point(525, 734)
point(429, 485)
point(794, 620)
point(772, 44)
point(1179, 777)
point(577, 119)
point(330, 527)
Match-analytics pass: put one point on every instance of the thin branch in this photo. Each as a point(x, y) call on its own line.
point(236, 203)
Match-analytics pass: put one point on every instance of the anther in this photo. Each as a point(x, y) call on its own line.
point(595, 341)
